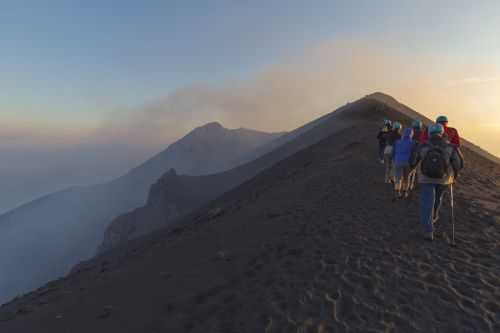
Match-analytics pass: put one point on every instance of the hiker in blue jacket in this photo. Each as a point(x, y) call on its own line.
point(403, 150)
point(440, 162)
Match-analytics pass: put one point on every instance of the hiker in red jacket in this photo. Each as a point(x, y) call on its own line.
point(418, 130)
point(451, 134)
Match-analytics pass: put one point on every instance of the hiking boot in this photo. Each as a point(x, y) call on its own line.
point(429, 236)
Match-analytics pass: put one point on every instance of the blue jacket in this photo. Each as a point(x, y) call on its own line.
point(404, 148)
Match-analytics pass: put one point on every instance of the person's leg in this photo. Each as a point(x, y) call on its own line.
point(413, 179)
point(398, 179)
point(427, 198)
point(406, 180)
point(440, 191)
point(381, 149)
point(391, 170)
point(388, 167)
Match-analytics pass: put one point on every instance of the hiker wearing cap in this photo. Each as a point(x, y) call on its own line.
point(403, 150)
point(390, 138)
point(440, 162)
point(382, 143)
point(450, 133)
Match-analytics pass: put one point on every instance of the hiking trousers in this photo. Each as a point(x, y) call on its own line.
point(381, 150)
point(388, 161)
point(431, 198)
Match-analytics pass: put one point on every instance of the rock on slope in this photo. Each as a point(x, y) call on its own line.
point(42, 240)
point(312, 244)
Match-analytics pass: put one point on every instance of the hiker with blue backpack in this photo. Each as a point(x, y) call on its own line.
point(439, 164)
point(402, 153)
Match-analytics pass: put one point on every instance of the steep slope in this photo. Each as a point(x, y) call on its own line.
point(176, 195)
point(42, 240)
point(310, 244)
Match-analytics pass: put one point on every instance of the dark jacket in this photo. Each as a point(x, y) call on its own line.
point(391, 137)
point(453, 155)
point(382, 135)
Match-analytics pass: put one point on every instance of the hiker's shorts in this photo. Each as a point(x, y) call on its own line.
point(402, 172)
point(388, 150)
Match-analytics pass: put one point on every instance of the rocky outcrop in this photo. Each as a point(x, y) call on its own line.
point(164, 204)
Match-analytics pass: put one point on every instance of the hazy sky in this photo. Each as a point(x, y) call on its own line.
point(91, 76)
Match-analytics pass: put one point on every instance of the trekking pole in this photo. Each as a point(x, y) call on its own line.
point(452, 201)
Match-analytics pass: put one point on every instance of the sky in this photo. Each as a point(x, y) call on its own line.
point(89, 89)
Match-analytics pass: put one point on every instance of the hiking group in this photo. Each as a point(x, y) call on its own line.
point(429, 156)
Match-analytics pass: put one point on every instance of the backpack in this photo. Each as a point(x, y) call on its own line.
point(435, 165)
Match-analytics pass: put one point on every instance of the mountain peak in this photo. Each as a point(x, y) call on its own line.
point(379, 94)
point(214, 125)
point(382, 97)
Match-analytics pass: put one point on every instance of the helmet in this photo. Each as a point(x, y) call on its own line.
point(436, 129)
point(442, 119)
point(417, 124)
point(397, 125)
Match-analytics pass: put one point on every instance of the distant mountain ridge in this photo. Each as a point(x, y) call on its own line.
point(55, 232)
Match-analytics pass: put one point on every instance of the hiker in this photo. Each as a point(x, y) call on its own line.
point(440, 162)
point(391, 137)
point(403, 150)
point(382, 143)
point(451, 134)
point(419, 131)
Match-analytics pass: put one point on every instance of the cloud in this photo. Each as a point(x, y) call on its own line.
point(475, 80)
point(279, 97)
point(491, 125)
point(288, 94)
